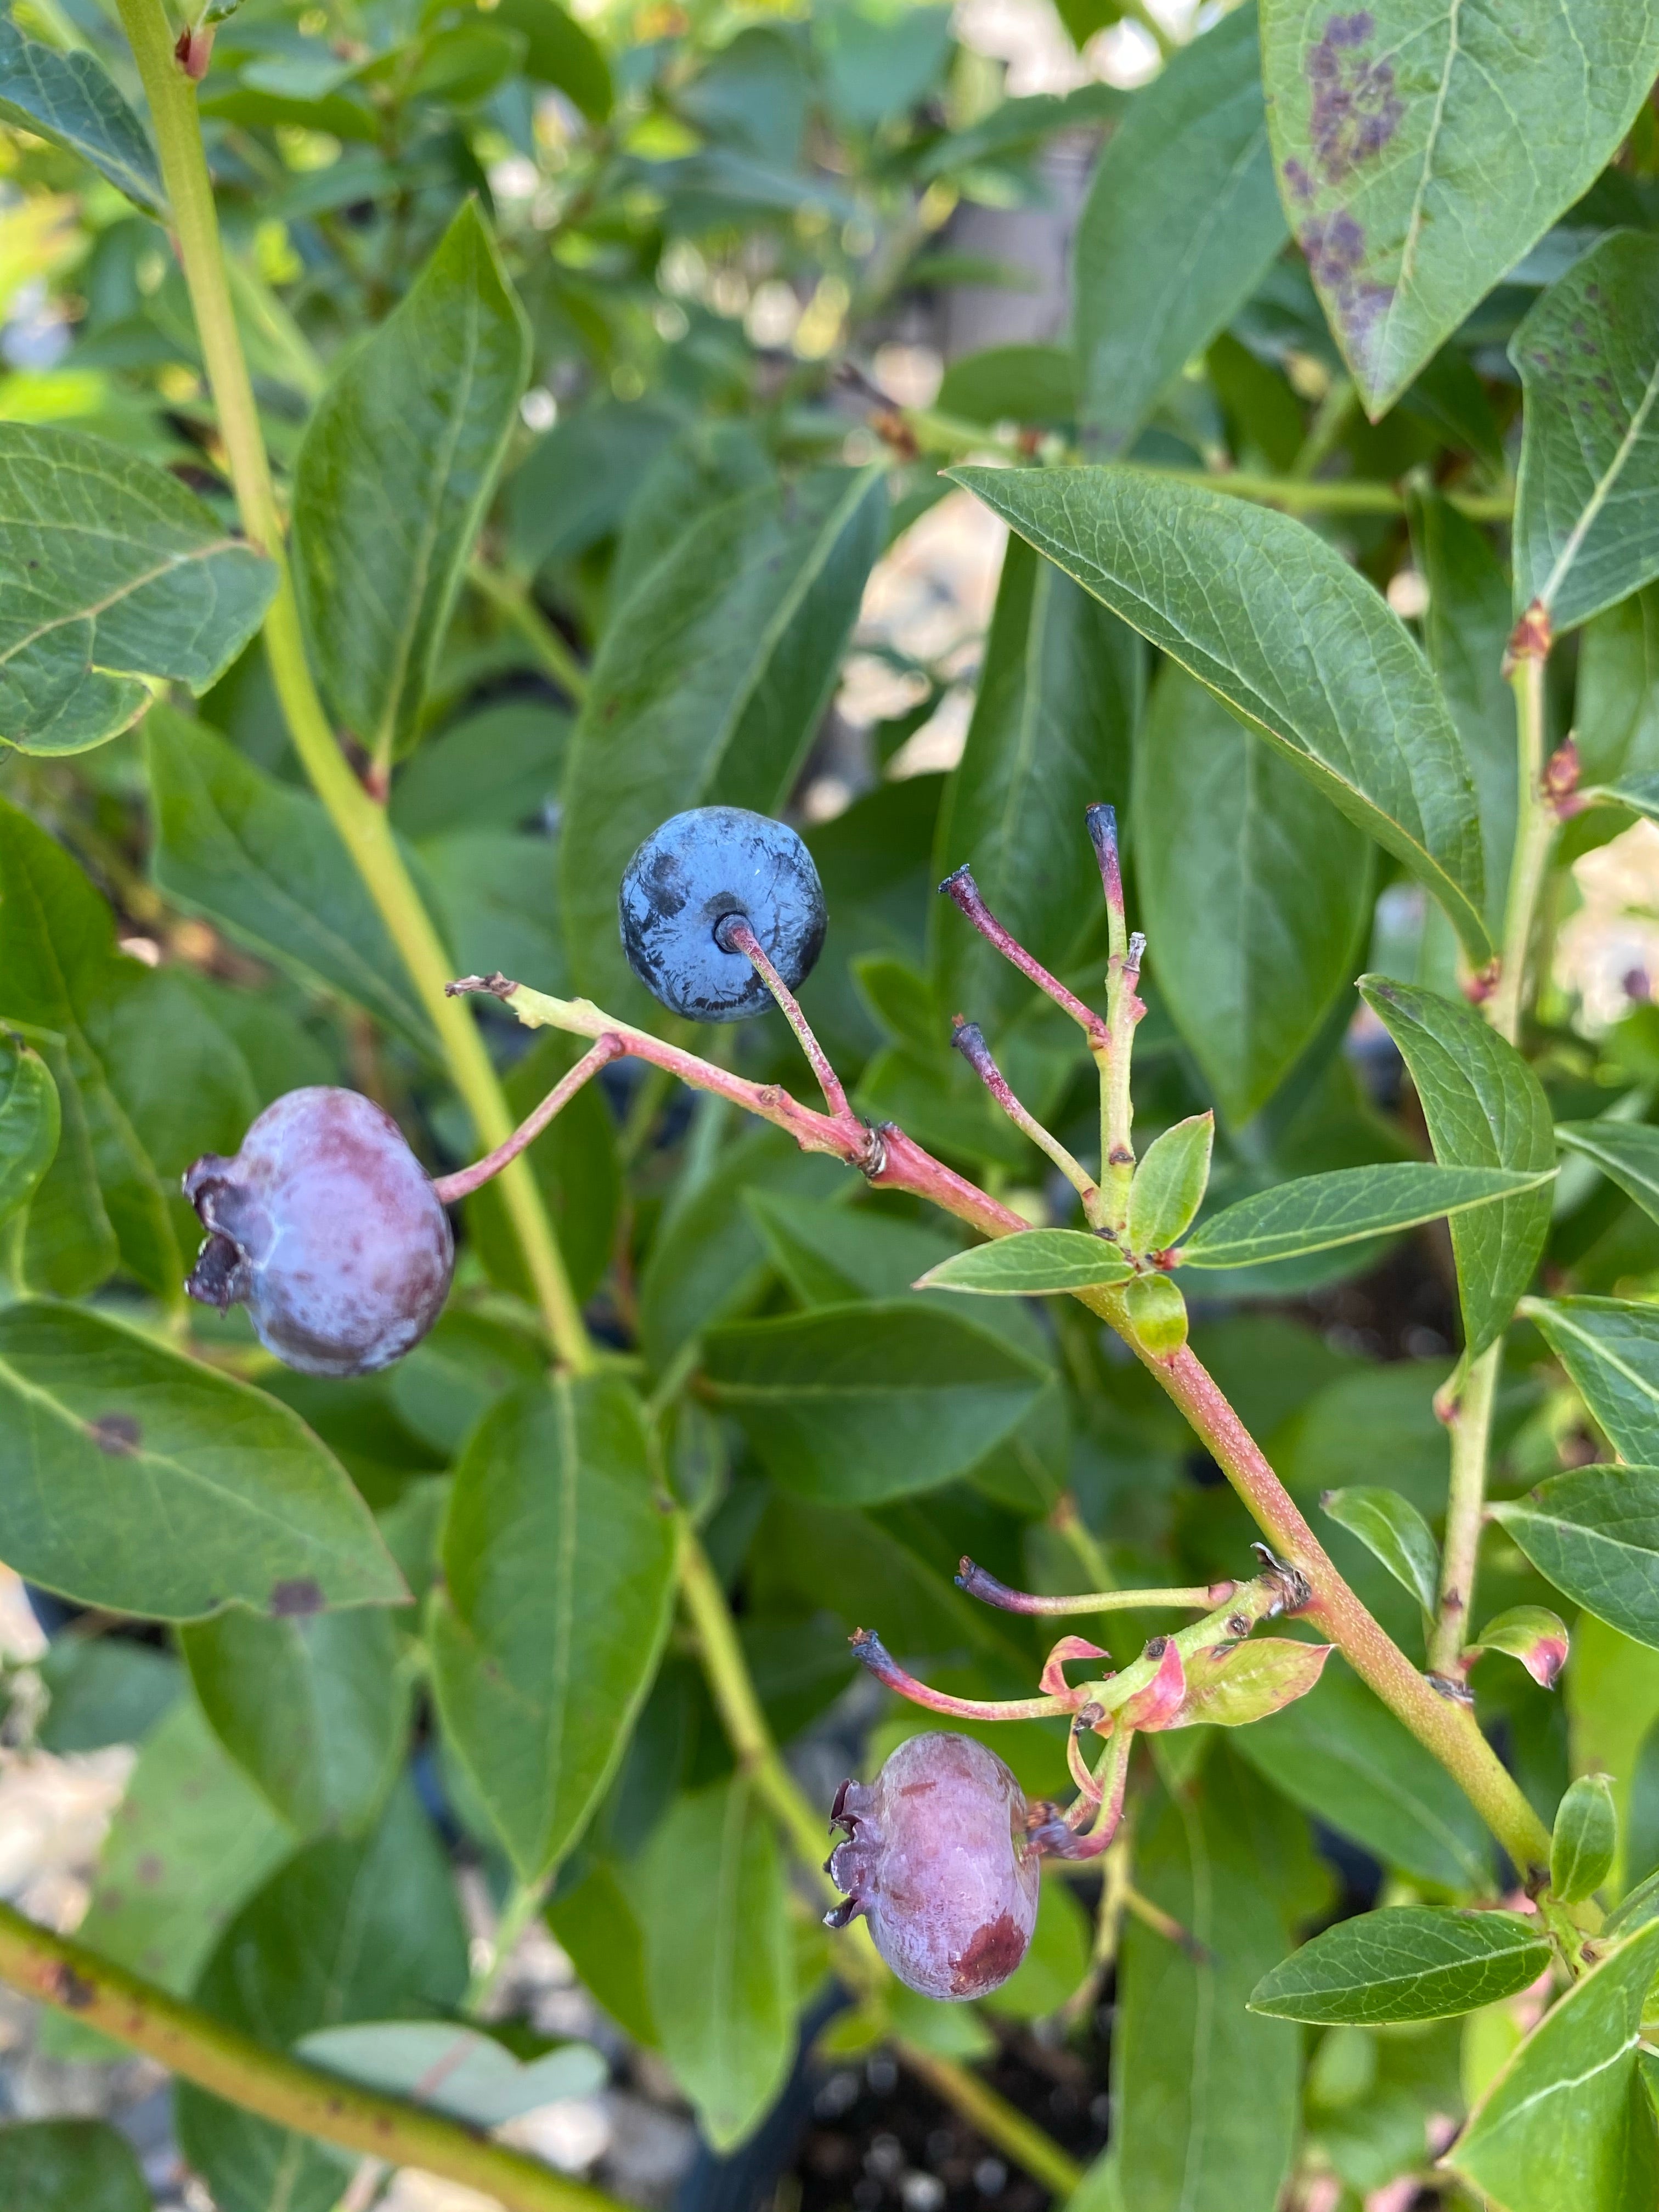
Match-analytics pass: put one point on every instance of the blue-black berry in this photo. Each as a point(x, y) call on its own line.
point(325, 1227)
point(714, 864)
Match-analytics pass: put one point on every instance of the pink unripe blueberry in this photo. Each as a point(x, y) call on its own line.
point(326, 1226)
point(938, 1858)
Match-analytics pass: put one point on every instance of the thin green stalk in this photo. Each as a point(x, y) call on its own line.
point(362, 823)
point(525, 1900)
point(511, 598)
point(191, 2044)
point(1471, 1417)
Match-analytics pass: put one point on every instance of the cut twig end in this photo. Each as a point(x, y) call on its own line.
point(494, 986)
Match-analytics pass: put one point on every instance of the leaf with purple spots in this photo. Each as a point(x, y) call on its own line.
point(1423, 146)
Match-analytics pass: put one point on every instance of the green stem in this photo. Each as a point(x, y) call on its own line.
point(1471, 1420)
point(511, 597)
point(193, 2045)
point(525, 1900)
point(361, 824)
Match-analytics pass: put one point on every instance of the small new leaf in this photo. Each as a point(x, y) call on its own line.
point(29, 1121)
point(1534, 1636)
point(1156, 1314)
point(1030, 1265)
point(1169, 1184)
point(1229, 1685)
point(1393, 1530)
point(1408, 1962)
point(1317, 1212)
point(1585, 1839)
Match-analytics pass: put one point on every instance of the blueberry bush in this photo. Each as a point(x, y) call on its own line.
point(556, 1300)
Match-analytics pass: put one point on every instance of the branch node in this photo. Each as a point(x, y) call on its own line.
point(494, 985)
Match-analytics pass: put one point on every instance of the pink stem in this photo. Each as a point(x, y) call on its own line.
point(1103, 835)
point(979, 1584)
point(964, 893)
point(451, 1187)
point(969, 1039)
point(734, 935)
point(869, 1647)
point(1055, 1839)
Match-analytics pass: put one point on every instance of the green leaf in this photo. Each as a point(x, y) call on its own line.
point(1256, 892)
point(1179, 223)
point(1585, 1839)
point(1617, 701)
point(263, 860)
point(597, 1924)
point(69, 2166)
point(1466, 630)
point(559, 52)
point(496, 770)
point(29, 1121)
point(831, 1254)
point(1204, 2093)
point(1343, 1757)
point(1025, 384)
point(1408, 1962)
point(68, 1245)
point(1587, 496)
point(1393, 1530)
point(1595, 1533)
point(713, 678)
point(1610, 1349)
point(1317, 1212)
point(1030, 1263)
point(1058, 701)
point(192, 1842)
point(1532, 1634)
point(1156, 1314)
point(314, 1710)
point(718, 1963)
point(1391, 125)
point(1485, 1109)
point(1272, 620)
point(856, 1404)
point(1169, 1184)
point(103, 1690)
point(1232, 1685)
point(345, 1932)
point(72, 99)
point(1626, 1152)
point(113, 577)
point(557, 1589)
point(143, 1483)
point(453, 2070)
point(1565, 2122)
point(399, 462)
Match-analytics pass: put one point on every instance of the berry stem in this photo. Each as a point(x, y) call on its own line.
point(977, 1584)
point(361, 823)
point(964, 894)
point(894, 1161)
point(969, 1039)
point(868, 1648)
point(451, 1187)
point(735, 935)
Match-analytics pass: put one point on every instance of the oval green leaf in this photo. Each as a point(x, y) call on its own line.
point(1316, 1212)
point(1030, 1264)
point(29, 1121)
point(1393, 1530)
point(1585, 1839)
point(1169, 1184)
point(1595, 1533)
point(1610, 1349)
point(1627, 1153)
point(1408, 1962)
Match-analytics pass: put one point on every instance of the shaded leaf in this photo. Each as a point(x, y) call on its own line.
point(1587, 496)
point(1058, 701)
point(395, 472)
point(1595, 1533)
point(224, 1494)
point(69, 2165)
point(721, 1973)
point(314, 1710)
point(1626, 1152)
point(1181, 220)
point(1317, 1212)
point(557, 1587)
point(1029, 1263)
point(1272, 619)
point(575, 1164)
point(559, 52)
point(72, 99)
point(713, 677)
point(829, 1254)
point(1254, 889)
point(112, 576)
point(453, 2068)
point(855, 1404)
point(1393, 1530)
point(1565, 2122)
point(263, 860)
point(1408, 1962)
point(1343, 1757)
point(1390, 125)
point(29, 1121)
point(1485, 1109)
point(1610, 1349)
point(69, 1244)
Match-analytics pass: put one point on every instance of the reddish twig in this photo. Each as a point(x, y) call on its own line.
point(450, 1188)
point(734, 934)
point(964, 894)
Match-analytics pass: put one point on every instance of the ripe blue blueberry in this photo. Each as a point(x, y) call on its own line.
point(325, 1227)
point(715, 865)
point(940, 1858)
